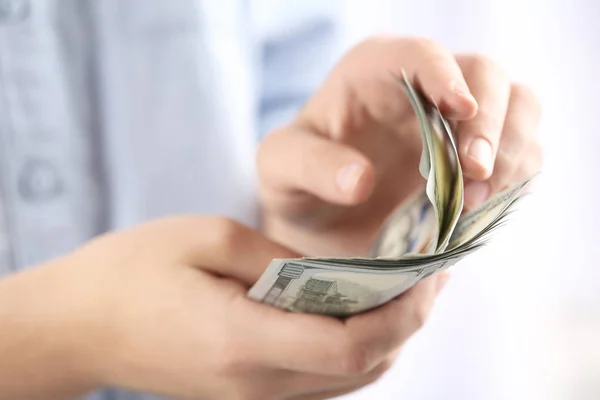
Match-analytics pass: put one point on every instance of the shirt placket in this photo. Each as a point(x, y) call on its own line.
point(45, 169)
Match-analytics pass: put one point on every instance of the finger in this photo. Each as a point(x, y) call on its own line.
point(326, 387)
point(385, 329)
point(531, 162)
point(522, 117)
point(218, 245)
point(236, 251)
point(432, 67)
point(331, 394)
point(478, 138)
point(293, 159)
point(520, 125)
point(331, 346)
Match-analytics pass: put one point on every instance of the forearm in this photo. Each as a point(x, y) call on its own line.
point(46, 345)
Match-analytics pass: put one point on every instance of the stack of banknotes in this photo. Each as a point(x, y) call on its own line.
point(426, 234)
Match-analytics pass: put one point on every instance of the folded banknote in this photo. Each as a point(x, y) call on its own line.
point(426, 234)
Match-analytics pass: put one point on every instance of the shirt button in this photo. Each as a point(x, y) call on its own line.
point(39, 181)
point(14, 10)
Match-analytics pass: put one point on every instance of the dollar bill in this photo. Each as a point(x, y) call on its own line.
point(337, 290)
point(440, 164)
point(426, 234)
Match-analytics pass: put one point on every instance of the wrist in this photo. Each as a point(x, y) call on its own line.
point(83, 298)
point(49, 343)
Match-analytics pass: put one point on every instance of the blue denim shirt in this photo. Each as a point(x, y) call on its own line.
point(113, 112)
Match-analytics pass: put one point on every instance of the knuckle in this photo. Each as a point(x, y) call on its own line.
point(233, 357)
point(229, 362)
point(524, 94)
point(378, 372)
point(419, 315)
point(506, 160)
point(354, 363)
point(228, 232)
point(356, 359)
point(406, 45)
point(480, 62)
point(514, 149)
point(367, 46)
point(418, 42)
point(432, 52)
point(372, 379)
point(523, 91)
point(504, 167)
point(228, 358)
point(487, 123)
point(384, 367)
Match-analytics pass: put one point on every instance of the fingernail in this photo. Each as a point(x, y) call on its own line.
point(476, 193)
point(348, 176)
point(481, 151)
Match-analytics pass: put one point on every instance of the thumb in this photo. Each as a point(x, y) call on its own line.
point(218, 245)
point(237, 251)
point(295, 160)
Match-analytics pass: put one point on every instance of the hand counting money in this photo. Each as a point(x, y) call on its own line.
point(426, 234)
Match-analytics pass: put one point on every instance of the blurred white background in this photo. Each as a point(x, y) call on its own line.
point(521, 318)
